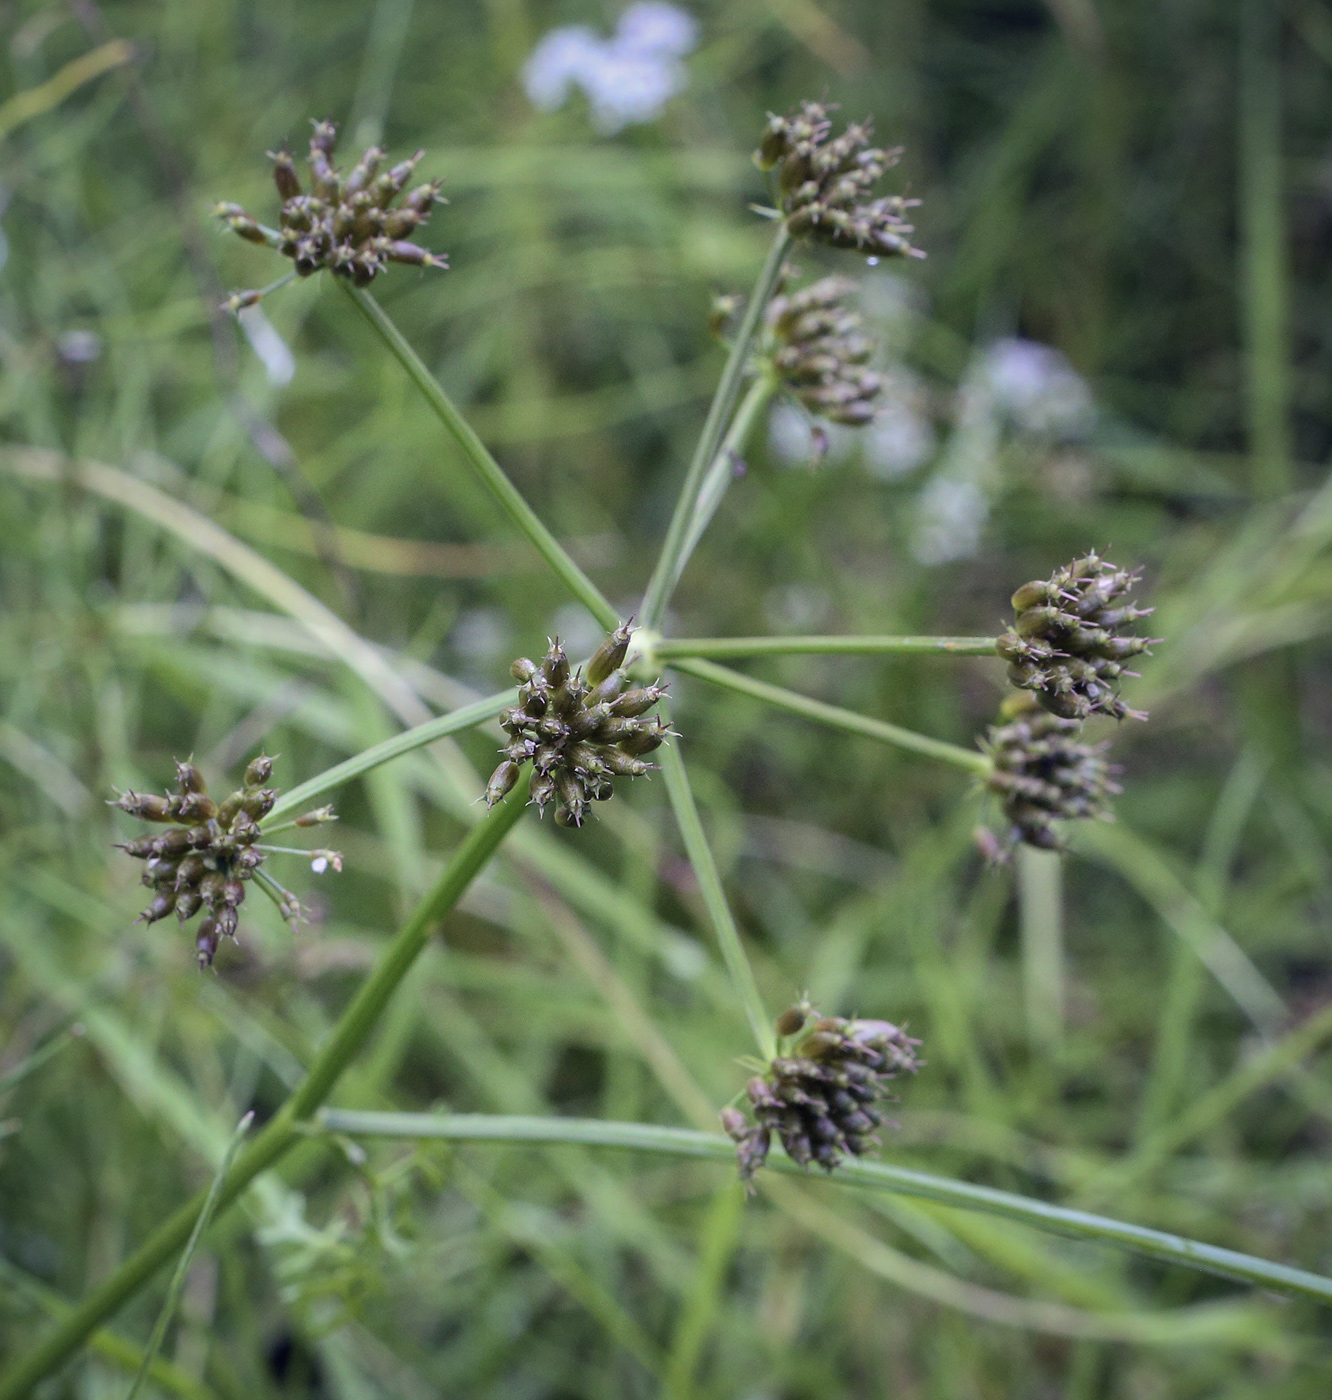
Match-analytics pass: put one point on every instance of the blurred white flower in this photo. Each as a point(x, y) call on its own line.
point(278, 361)
point(627, 78)
point(580, 632)
point(901, 436)
point(796, 441)
point(796, 607)
point(79, 347)
point(481, 635)
point(1037, 388)
point(950, 515)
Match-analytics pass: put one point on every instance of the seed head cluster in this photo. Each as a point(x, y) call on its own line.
point(580, 730)
point(206, 854)
point(1069, 644)
point(821, 355)
point(1043, 771)
point(352, 223)
point(822, 1097)
point(824, 185)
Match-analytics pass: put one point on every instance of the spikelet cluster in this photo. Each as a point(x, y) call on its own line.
point(352, 223)
point(206, 854)
point(822, 1097)
point(820, 354)
point(1044, 772)
point(580, 730)
point(825, 184)
point(1069, 643)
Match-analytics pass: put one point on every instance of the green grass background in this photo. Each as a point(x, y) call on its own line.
point(1144, 186)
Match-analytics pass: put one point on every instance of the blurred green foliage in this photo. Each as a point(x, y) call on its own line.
point(1144, 188)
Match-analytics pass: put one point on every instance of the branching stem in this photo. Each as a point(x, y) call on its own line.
point(282, 1131)
point(485, 466)
point(734, 647)
point(837, 717)
point(675, 549)
point(874, 1176)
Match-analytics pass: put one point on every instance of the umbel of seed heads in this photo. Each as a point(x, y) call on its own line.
point(580, 730)
point(207, 852)
point(352, 223)
point(824, 186)
point(1069, 643)
point(820, 355)
point(1043, 772)
point(822, 1097)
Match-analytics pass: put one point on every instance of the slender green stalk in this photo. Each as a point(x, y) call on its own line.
point(1041, 928)
point(714, 647)
point(835, 716)
point(874, 1176)
point(177, 1285)
point(282, 1130)
point(39, 1057)
point(674, 551)
point(714, 897)
point(485, 466)
point(418, 737)
point(722, 471)
point(1210, 1108)
point(1265, 276)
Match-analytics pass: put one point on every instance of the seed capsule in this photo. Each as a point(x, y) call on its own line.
point(608, 657)
point(188, 778)
point(502, 782)
point(284, 176)
point(163, 903)
point(197, 807)
point(259, 771)
point(147, 806)
point(205, 942)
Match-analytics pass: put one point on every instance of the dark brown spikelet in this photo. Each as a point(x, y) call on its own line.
point(207, 852)
point(825, 184)
point(822, 1098)
point(820, 355)
point(354, 223)
point(1043, 772)
point(1069, 644)
point(579, 730)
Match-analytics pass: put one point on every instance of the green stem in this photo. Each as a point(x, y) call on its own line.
point(714, 647)
point(485, 466)
point(837, 717)
point(282, 1130)
point(415, 738)
point(177, 1285)
point(674, 552)
point(722, 471)
point(714, 897)
point(875, 1176)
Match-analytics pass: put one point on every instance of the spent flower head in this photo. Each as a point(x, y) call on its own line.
point(1044, 772)
point(580, 730)
point(822, 1097)
point(1070, 642)
point(354, 223)
point(206, 854)
point(819, 353)
point(825, 184)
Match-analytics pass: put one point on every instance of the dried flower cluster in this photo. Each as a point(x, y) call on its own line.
point(349, 223)
point(1043, 772)
point(822, 1097)
point(208, 851)
point(820, 354)
point(824, 185)
point(579, 729)
point(1069, 645)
